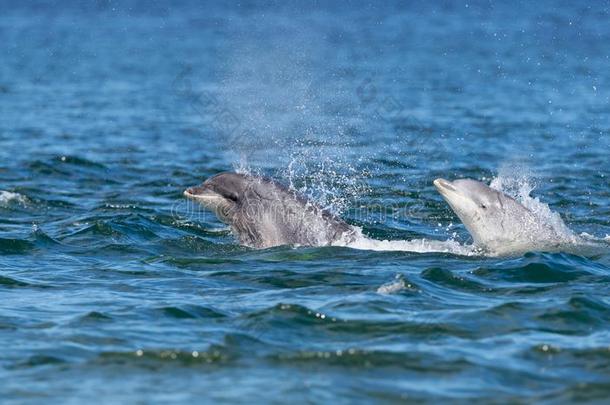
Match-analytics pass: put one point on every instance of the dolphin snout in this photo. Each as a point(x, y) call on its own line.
point(442, 184)
point(195, 190)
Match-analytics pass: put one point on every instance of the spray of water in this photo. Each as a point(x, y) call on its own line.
point(520, 186)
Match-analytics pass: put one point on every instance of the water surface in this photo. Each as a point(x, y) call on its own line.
point(114, 288)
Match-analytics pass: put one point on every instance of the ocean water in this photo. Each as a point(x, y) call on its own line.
point(114, 288)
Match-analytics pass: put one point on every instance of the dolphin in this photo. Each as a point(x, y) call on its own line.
point(263, 213)
point(499, 223)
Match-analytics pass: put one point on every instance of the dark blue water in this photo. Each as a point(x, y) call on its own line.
point(114, 288)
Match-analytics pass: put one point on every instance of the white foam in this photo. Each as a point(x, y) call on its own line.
point(362, 242)
point(7, 197)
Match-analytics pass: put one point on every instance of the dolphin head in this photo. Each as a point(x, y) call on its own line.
point(492, 218)
point(256, 208)
point(222, 194)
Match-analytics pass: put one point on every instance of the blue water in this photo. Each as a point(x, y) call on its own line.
point(114, 288)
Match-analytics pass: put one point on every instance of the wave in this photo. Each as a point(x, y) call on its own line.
point(15, 246)
point(8, 282)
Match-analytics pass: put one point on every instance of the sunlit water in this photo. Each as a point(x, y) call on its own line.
point(113, 287)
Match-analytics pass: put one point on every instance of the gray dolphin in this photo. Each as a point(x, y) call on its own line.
point(263, 213)
point(497, 222)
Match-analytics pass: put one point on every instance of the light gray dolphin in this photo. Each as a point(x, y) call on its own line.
point(499, 223)
point(263, 213)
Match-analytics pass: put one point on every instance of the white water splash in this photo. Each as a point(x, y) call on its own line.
point(556, 236)
point(393, 287)
point(520, 188)
point(7, 197)
point(326, 178)
point(359, 241)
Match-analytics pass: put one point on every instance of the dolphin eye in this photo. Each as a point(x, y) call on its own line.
point(228, 194)
point(231, 196)
point(484, 206)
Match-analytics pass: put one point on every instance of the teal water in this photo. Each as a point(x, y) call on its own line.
point(113, 288)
